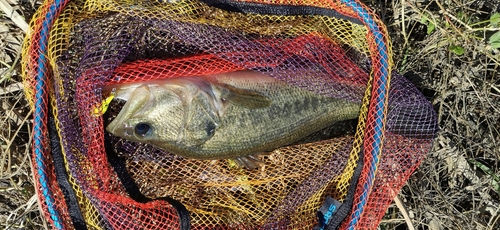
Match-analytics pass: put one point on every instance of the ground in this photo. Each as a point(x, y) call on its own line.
point(448, 48)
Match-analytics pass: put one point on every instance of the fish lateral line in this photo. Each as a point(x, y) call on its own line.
point(225, 116)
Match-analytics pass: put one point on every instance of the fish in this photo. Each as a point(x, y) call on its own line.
point(236, 115)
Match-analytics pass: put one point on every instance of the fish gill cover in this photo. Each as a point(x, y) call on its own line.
point(88, 178)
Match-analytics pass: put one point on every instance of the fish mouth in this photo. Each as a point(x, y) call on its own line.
point(120, 129)
point(120, 126)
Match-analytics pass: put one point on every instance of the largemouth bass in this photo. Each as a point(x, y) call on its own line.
point(223, 116)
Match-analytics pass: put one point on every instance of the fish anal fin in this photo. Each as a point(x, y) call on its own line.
point(250, 162)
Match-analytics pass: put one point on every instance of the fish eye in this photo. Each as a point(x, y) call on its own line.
point(142, 129)
point(210, 129)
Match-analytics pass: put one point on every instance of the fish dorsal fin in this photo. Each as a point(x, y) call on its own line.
point(244, 97)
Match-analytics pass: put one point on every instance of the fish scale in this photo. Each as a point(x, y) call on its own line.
point(225, 116)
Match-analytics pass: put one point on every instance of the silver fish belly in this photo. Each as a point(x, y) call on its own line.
point(231, 115)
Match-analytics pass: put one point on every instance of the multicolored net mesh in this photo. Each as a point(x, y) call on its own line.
point(89, 179)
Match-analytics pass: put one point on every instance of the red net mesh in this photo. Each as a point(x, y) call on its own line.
point(325, 47)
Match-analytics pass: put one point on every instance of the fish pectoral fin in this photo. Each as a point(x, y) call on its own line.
point(244, 97)
point(249, 162)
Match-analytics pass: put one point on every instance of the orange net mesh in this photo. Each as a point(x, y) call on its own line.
point(88, 178)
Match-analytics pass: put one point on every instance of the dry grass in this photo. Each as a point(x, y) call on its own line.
point(456, 187)
point(446, 42)
point(18, 203)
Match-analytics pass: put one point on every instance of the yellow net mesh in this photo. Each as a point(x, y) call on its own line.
point(326, 47)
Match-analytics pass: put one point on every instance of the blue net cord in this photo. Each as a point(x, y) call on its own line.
point(41, 110)
point(380, 88)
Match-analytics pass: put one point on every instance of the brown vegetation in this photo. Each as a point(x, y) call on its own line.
point(449, 48)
